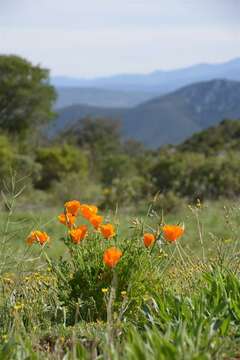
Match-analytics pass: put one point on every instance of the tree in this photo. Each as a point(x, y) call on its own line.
point(26, 97)
point(117, 166)
point(100, 135)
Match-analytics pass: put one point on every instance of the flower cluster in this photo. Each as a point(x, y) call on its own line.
point(90, 213)
point(77, 233)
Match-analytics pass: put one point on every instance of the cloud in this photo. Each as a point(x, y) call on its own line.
point(100, 37)
point(91, 13)
point(132, 49)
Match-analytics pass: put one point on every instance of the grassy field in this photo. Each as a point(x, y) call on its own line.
point(176, 300)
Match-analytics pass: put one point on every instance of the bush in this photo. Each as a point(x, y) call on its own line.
point(118, 166)
point(7, 156)
point(173, 172)
point(197, 176)
point(26, 166)
point(75, 185)
point(59, 161)
point(218, 176)
point(167, 202)
point(126, 191)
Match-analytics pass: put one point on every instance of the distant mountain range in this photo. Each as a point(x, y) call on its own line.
point(130, 90)
point(167, 119)
point(99, 97)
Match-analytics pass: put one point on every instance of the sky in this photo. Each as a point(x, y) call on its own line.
point(89, 38)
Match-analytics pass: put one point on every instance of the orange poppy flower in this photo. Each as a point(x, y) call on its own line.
point(96, 221)
point(107, 230)
point(78, 234)
point(172, 232)
point(88, 210)
point(148, 239)
point(72, 207)
point(37, 236)
point(67, 219)
point(112, 256)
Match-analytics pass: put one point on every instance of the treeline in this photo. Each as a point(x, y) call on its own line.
point(92, 162)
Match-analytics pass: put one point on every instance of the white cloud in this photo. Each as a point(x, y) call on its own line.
point(92, 13)
point(100, 37)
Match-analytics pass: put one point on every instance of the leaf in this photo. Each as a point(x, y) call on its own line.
point(225, 326)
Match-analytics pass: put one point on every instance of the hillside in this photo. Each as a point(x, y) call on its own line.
point(68, 96)
point(69, 116)
point(175, 117)
point(214, 140)
point(169, 119)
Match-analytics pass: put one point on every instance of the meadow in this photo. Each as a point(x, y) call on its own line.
point(108, 249)
point(177, 299)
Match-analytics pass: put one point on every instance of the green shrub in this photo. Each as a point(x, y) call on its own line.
point(75, 185)
point(26, 166)
point(196, 176)
point(7, 156)
point(126, 191)
point(58, 161)
point(167, 202)
point(118, 166)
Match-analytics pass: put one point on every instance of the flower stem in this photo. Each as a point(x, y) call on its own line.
point(111, 300)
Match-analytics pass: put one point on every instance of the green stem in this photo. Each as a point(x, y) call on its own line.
point(111, 300)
